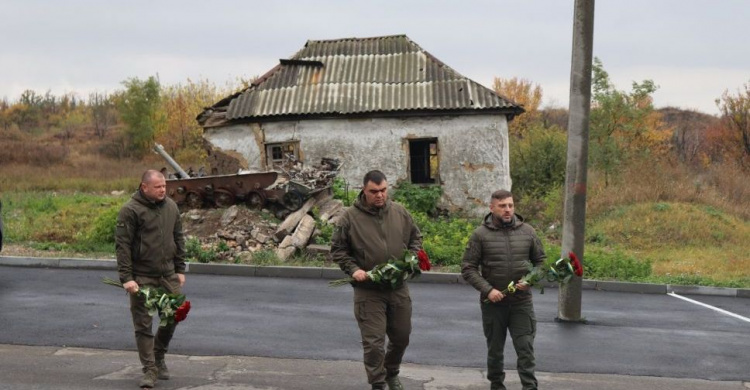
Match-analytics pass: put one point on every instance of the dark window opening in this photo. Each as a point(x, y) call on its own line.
point(423, 161)
point(282, 154)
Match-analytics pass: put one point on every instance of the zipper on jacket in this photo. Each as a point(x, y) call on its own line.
point(380, 218)
point(510, 253)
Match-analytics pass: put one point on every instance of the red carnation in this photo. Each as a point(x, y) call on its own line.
point(181, 313)
point(424, 260)
point(577, 267)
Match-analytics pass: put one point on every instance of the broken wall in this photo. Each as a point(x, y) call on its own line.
point(473, 150)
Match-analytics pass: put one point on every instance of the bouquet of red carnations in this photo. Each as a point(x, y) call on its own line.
point(560, 271)
point(172, 308)
point(395, 271)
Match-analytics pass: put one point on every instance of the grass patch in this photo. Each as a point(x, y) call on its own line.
point(649, 226)
point(267, 258)
point(61, 221)
point(688, 244)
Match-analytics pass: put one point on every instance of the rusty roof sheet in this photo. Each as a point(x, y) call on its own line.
point(362, 75)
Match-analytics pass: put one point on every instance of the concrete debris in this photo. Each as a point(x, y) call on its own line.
point(240, 234)
point(229, 216)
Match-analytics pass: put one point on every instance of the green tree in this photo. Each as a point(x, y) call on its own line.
point(138, 106)
point(72, 122)
point(622, 124)
point(537, 161)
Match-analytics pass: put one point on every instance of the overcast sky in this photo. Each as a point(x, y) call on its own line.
point(692, 49)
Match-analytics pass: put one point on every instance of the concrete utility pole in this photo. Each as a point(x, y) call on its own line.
point(574, 223)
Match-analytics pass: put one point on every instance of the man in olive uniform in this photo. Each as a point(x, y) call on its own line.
point(500, 251)
point(150, 247)
point(372, 232)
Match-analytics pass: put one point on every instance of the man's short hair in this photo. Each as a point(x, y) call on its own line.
point(148, 175)
point(501, 194)
point(374, 176)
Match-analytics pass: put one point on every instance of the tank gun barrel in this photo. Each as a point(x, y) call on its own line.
point(160, 149)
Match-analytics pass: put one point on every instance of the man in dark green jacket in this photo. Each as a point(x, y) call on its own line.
point(499, 252)
point(150, 247)
point(372, 232)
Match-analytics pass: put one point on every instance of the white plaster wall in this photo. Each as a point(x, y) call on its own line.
point(239, 138)
point(473, 150)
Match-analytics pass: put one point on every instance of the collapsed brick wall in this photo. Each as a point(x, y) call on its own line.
point(223, 162)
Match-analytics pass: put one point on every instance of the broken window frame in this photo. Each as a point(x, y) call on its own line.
point(288, 153)
point(431, 164)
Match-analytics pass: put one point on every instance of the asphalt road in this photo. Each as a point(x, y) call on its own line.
point(628, 334)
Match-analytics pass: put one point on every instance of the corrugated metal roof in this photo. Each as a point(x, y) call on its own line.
point(362, 75)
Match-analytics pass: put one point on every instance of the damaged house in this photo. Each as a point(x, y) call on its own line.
point(374, 103)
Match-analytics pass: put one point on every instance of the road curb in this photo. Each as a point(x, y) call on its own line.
point(332, 273)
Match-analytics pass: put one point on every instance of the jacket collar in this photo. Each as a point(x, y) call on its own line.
point(141, 198)
point(362, 205)
point(490, 224)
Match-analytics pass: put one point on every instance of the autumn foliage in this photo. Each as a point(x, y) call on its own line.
point(524, 93)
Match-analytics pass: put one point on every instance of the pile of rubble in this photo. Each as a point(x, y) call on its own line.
point(305, 179)
point(245, 231)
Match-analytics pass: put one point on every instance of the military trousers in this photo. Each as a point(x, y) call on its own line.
point(382, 313)
point(520, 321)
point(151, 348)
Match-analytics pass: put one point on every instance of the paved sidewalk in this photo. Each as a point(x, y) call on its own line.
point(25, 367)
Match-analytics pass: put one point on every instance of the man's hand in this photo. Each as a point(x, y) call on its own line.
point(131, 287)
point(181, 278)
point(359, 275)
point(522, 286)
point(495, 296)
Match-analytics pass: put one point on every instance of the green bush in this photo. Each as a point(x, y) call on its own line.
point(604, 264)
point(343, 192)
point(265, 257)
point(537, 162)
point(444, 239)
point(325, 230)
point(552, 209)
point(194, 251)
point(325, 233)
point(102, 229)
point(416, 198)
point(222, 246)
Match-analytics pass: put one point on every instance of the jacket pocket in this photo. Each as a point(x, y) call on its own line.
point(362, 259)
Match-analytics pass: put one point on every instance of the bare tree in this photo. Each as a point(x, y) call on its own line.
point(736, 112)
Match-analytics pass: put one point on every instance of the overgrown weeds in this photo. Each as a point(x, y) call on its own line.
point(725, 187)
point(416, 198)
point(61, 221)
